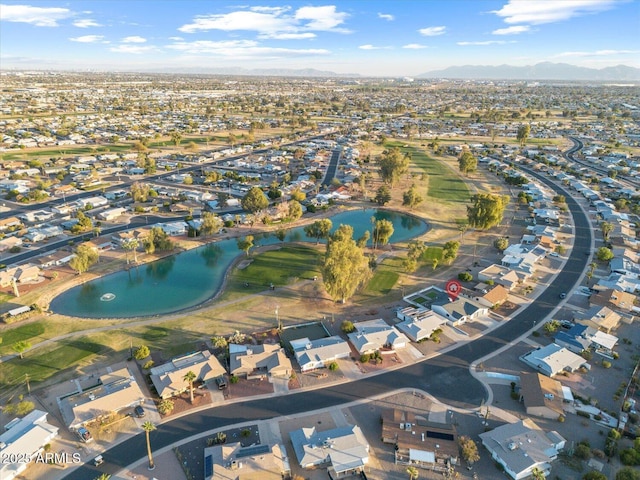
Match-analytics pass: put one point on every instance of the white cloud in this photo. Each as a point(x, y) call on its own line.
point(433, 31)
point(486, 42)
point(372, 47)
point(272, 22)
point(176, 39)
point(134, 49)
point(414, 46)
point(287, 36)
point(37, 16)
point(514, 30)
point(597, 53)
point(87, 39)
point(86, 23)
point(386, 16)
point(538, 12)
point(134, 39)
point(240, 49)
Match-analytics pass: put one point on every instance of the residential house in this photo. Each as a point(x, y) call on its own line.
point(553, 359)
point(421, 324)
point(9, 222)
point(115, 391)
point(319, 353)
point(344, 450)
point(492, 296)
point(501, 275)
point(543, 396)
point(168, 378)
point(419, 441)
point(376, 335)
point(256, 361)
point(21, 442)
point(581, 337)
point(232, 461)
point(8, 243)
point(111, 214)
point(613, 299)
point(56, 259)
point(599, 317)
point(522, 446)
point(460, 310)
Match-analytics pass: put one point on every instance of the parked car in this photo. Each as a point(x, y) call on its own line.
point(84, 434)
point(98, 460)
point(563, 295)
point(138, 411)
point(554, 254)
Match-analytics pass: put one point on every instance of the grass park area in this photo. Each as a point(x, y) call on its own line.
point(443, 182)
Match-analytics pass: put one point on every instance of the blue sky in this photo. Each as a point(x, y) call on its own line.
point(367, 37)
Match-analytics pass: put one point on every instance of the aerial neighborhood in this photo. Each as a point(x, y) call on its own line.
point(298, 274)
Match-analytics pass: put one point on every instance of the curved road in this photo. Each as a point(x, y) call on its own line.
point(446, 376)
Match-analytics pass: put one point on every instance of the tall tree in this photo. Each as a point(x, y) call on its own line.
point(606, 228)
point(295, 210)
point(149, 427)
point(382, 231)
point(319, 229)
point(190, 377)
point(255, 200)
point(131, 244)
point(176, 137)
point(84, 257)
point(523, 134)
point(469, 449)
point(487, 210)
point(411, 198)
point(393, 164)
point(139, 192)
point(383, 195)
point(467, 162)
point(211, 223)
point(245, 244)
point(345, 267)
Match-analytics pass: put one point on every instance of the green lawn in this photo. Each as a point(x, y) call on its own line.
point(5, 297)
point(385, 277)
point(277, 267)
point(432, 253)
point(444, 183)
point(54, 152)
point(47, 362)
point(28, 332)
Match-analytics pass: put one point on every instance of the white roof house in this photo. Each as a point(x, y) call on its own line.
point(24, 440)
point(421, 325)
point(520, 447)
point(319, 353)
point(343, 449)
point(553, 359)
point(374, 335)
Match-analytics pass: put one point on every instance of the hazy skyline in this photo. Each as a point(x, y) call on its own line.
point(377, 38)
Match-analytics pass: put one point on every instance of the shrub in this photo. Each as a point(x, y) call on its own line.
point(584, 414)
point(583, 452)
point(148, 365)
point(365, 357)
point(465, 277)
point(606, 364)
point(515, 395)
point(333, 366)
point(561, 418)
point(165, 406)
point(234, 379)
point(347, 326)
point(142, 352)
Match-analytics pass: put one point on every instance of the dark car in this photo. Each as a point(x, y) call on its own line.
point(138, 411)
point(563, 295)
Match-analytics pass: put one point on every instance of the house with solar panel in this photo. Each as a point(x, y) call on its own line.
point(233, 461)
point(343, 450)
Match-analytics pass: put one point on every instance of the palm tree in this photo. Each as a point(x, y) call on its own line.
point(103, 476)
point(412, 472)
point(149, 427)
point(190, 377)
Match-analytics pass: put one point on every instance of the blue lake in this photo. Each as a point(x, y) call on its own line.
point(192, 277)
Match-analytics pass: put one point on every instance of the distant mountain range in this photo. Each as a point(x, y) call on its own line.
point(540, 71)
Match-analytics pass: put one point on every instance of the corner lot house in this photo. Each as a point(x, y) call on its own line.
point(553, 359)
point(543, 396)
point(115, 392)
point(168, 378)
point(233, 461)
point(521, 447)
point(24, 438)
point(344, 449)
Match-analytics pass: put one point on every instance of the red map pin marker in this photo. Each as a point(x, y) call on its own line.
point(453, 289)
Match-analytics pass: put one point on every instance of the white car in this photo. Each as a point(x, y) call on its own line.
point(554, 254)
